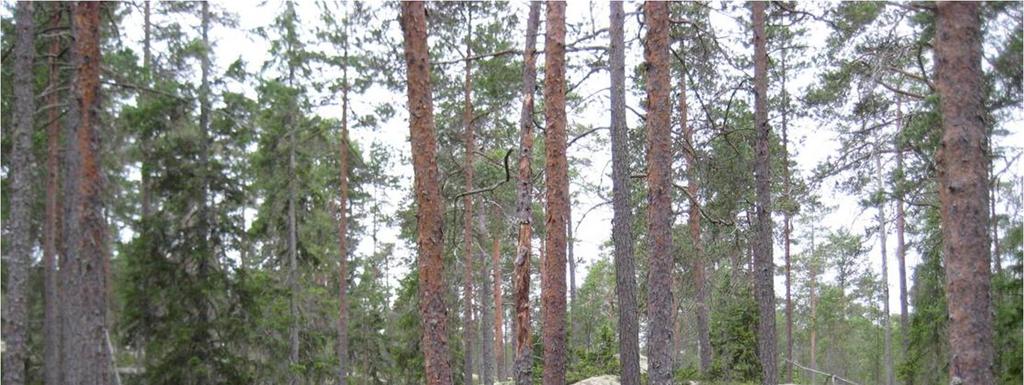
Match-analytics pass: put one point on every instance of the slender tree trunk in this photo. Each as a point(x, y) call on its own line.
point(433, 312)
point(571, 258)
point(86, 354)
point(147, 63)
point(659, 195)
point(622, 221)
point(764, 268)
point(890, 377)
point(343, 217)
point(51, 320)
point(467, 201)
point(699, 267)
point(962, 191)
point(901, 246)
point(293, 266)
point(557, 200)
point(486, 313)
point(814, 308)
point(523, 361)
point(15, 315)
point(499, 310)
point(993, 185)
point(787, 226)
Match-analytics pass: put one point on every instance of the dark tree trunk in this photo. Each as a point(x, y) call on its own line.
point(557, 201)
point(622, 232)
point(19, 257)
point(764, 268)
point(433, 312)
point(86, 354)
point(523, 360)
point(51, 240)
point(963, 191)
point(343, 166)
point(659, 193)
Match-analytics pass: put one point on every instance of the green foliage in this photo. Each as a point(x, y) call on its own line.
point(733, 339)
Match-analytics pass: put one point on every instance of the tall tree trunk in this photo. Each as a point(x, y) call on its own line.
point(86, 354)
point(343, 216)
point(962, 191)
point(499, 310)
point(882, 239)
point(557, 201)
point(293, 264)
point(51, 292)
point(764, 268)
point(571, 258)
point(693, 191)
point(523, 360)
point(15, 315)
point(787, 226)
point(486, 313)
point(901, 246)
point(622, 220)
point(147, 63)
point(433, 312)
point(814, 308)
point(659, 193)
point(467, 226)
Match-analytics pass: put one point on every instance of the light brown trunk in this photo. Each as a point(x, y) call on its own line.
point(433, 312)
point(963, 197)
point(523, 360)
point(763, 269)
point(556, 202)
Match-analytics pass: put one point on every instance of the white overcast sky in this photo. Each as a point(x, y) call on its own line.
point(811, 144)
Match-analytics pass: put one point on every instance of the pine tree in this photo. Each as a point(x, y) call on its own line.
point(433, 312)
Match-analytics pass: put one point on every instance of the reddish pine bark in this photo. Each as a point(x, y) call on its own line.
point(557, 202)
point(523, 360)
point(87, 359)
point(15, 312)
point(433, 312)
point(659, 193)
point(622, 232)
point(763, 267)
point(963, 194)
